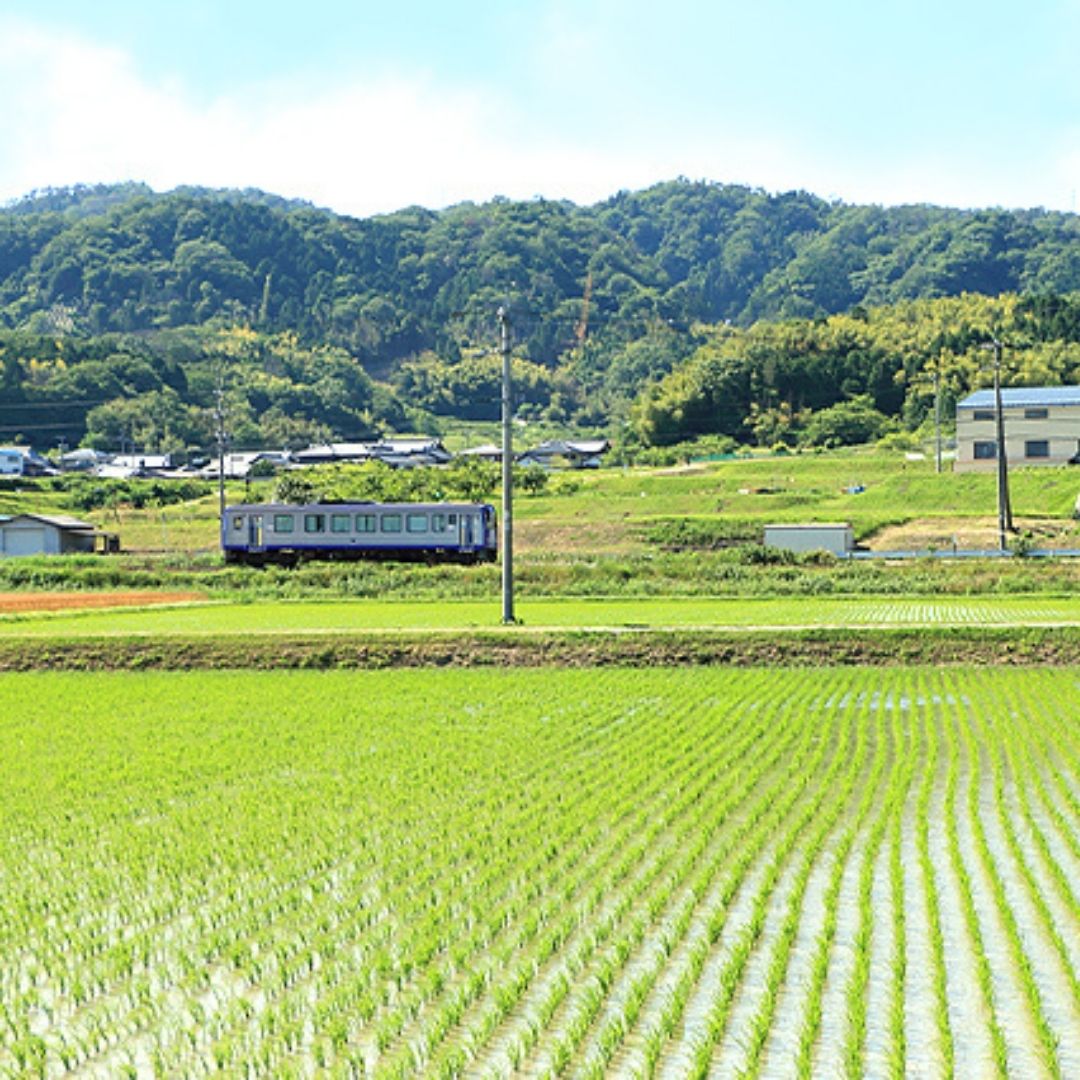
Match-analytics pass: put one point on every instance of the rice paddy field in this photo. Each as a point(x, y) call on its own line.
point(321, 617)
point(582, 873)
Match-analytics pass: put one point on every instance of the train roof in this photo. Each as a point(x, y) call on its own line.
point(342, 504)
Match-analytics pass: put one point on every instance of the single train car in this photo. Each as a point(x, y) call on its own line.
point(287, 534)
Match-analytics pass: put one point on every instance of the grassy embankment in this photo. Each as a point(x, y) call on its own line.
point(636, 532)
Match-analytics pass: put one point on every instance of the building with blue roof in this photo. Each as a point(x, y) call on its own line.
point(1042, 427)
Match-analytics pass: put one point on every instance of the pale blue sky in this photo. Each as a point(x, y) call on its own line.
point(368, 107)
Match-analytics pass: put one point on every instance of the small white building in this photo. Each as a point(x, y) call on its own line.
point(22, 461)
point(1042, 427)
point(817, 536)
point(38, 534)
point(11, 461)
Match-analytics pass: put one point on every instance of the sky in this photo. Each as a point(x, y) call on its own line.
point(366, 108)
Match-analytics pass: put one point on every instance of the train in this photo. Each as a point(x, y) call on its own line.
point(286, 534)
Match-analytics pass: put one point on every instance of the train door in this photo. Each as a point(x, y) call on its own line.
point(255, 532)
point(467, 530)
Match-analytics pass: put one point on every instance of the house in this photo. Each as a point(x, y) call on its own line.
point(400, 453)
point(239, 466)
point(328, 453)
point(37, 534)
point(484, 452)
point(127, 465)
point(82, 460)
point(574, 453)
point(1042, 427)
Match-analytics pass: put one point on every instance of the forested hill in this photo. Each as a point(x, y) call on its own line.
point(95, 260)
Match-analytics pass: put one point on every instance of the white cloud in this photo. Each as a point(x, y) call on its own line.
point(80, 112)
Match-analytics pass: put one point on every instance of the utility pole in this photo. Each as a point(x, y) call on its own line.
point(1005, 522)
point(507, 531)
point(219, 430)
point(937, 417)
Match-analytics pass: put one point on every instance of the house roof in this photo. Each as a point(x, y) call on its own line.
point(57, 520)
point(1023, 397)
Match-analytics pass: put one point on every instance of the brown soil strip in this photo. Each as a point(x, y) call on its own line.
point(61, 601)
point(1051, 646)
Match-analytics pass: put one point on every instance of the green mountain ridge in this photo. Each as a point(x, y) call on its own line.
point(398, 310)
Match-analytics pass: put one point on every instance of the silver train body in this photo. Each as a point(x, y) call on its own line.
point(286, 534)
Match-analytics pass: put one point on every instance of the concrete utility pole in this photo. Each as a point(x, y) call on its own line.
point(507, 531)
point(1005, 521)
point(219, 428)
point(937, 418)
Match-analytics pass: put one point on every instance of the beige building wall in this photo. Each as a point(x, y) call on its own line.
point(1060, 430)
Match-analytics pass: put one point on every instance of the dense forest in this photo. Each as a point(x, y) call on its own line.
point(127, 316)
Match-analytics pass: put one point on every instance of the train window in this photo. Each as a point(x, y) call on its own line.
point(365, 523)
point(283, 523)
point(453, 521)
point(438, 523)
point(340, 523)
point(238, 522)
point(391, 523)
point(416, 523)
point(314, 523)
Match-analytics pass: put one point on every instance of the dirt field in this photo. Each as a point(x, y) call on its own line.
point(25, 602)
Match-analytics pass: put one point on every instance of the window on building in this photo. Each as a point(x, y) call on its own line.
point(985, 450)
point(416, 523)
point(283, 523)
point(983, 414)
point(365, 523)
point(1036, 414)
point(1037, 448)
point(314, 523)
point(340, 523)
point(390, 523)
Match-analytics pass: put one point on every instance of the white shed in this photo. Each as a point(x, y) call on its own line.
point(36, 534)
point(818, 536)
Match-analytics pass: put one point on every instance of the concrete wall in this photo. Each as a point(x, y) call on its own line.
point(1060, 429)
point(839, 539)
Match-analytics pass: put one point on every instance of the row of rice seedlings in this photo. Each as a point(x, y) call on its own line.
point(953, 742)
point(1062, 833)
point(1047, 862)
point(621, 1019)
point(898, 969)
point(1000, 746)
point(704, 829)
point(946, 1046)
point(457, 994)
point(775, 977)
point(891, 810)
point(631, 859)
point(730, 978)
point(638, 865)
point(819, 964)
point(1021, 962)
point(747, 845)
